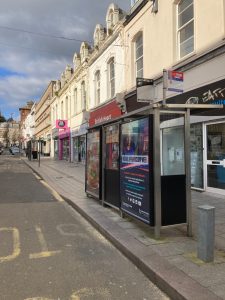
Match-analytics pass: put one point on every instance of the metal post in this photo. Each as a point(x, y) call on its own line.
point(157, 173)
point(188, 171)
point(103, 165)
point(164, 85)
point(206, 233)
point(39, 152)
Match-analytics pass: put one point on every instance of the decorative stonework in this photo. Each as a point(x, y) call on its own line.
point(99, 35)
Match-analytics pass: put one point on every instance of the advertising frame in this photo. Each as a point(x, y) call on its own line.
point(88, 190)
point(147, 215)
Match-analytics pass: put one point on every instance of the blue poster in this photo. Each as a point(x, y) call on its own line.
point(134, 169)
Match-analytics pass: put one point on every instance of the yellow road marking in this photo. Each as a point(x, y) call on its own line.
point(16, 244)
point(44, 248)
point(54, 193)
point(85, 292)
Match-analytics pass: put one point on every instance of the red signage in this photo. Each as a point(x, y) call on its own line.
point(104, 113)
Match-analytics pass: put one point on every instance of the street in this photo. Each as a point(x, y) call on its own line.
point(48, 251)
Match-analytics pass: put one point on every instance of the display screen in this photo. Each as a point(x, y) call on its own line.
point(134, 169)
point(112, 147)
point(93, 163)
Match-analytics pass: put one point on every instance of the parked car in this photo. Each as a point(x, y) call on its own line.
point(14, 150)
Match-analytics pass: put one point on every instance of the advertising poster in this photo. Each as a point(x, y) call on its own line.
point(112, 147)
point(93, 163)
point(134, 169)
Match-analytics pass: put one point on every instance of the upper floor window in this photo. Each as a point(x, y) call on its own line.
point(75, 101)
point(83, 96)
point(62, 110)
point(185, 22)
point(111, 72)
point(67, 107)
point(56, 112)
point(97, 87)
point(139, 55)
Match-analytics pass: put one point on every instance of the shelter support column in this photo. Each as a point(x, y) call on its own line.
point(157, 173)
point(188, 172)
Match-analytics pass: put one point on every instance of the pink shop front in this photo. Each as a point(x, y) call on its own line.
point(64, 144)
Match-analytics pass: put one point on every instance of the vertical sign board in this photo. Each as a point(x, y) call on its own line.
point(136, 189)
point(175, 81)
point(93, 164)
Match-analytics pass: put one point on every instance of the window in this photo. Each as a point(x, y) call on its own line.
point(67, 107)
point(62, 111)
point(111, 74)
point(139, 55)
point(75, 101)
point(83, 96)
point(97, 87)
point(56, 112)
point(185, 22)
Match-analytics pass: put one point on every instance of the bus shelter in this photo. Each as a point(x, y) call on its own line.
point(144, 163)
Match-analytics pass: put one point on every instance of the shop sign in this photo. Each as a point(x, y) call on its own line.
point(104, 113)
point(213, 93)
point(64, 133)
point(81, 130)
point(135, 187)
point(62, 124)
point(175, 81)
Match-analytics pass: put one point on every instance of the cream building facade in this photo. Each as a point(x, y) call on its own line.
point(43, 120)
point(184, 36)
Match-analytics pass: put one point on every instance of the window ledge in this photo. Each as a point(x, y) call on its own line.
point(183, 59)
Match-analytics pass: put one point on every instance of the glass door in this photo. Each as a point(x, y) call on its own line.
point(215, 156)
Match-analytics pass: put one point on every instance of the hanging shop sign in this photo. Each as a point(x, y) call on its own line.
point(93, 164)
point(145, 90)
point(61, 124)
point(175, 81)
point(136, 187)
point(104, 113)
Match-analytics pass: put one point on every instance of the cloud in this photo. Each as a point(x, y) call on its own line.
point(32, 60)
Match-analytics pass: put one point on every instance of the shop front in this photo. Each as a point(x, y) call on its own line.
point(64, 145)
point(55, 143)
point(207, 137)
point(78, 136)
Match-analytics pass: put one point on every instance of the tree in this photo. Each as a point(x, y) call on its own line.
point(2, 118)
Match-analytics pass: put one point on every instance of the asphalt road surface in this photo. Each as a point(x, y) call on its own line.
point(49, 252)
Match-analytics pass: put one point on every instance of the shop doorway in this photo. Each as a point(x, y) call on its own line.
point(215, 157)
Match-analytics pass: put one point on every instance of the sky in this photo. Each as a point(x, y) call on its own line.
point(31, 50)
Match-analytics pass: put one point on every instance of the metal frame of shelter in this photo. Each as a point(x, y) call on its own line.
point(156, 109)
point(184, 109)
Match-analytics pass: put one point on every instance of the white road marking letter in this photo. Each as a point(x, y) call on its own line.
point(16, 244)
point(44, 248)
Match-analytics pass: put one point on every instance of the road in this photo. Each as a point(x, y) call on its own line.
point(49, 252)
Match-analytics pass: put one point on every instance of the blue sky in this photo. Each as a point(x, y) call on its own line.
point(29, 61)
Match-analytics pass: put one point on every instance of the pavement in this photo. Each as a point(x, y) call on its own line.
point(170, 262)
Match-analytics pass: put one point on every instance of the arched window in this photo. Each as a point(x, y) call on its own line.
point(111, 77)
point(62, 110)
point(83, 96)
point(185, 27)
point(75, 101)
point(97, 87)
point(56, 112)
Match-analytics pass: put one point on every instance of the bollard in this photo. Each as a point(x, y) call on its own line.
point(206, 233)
